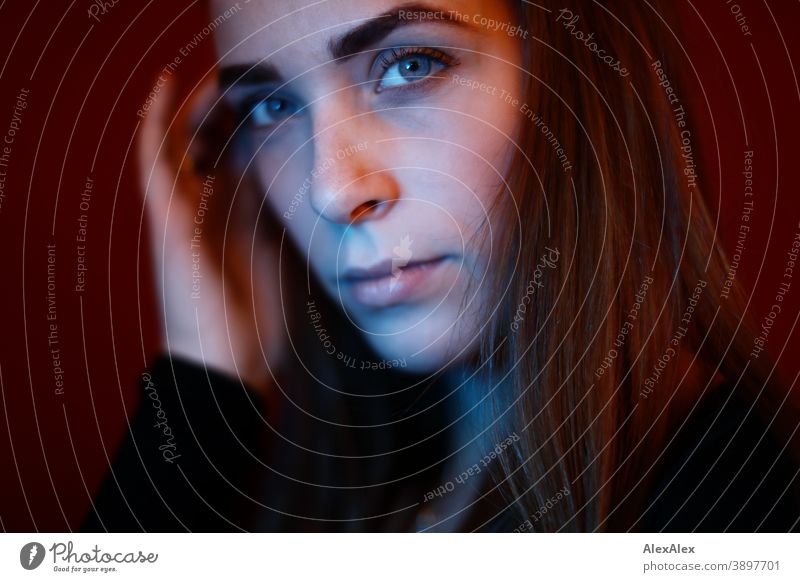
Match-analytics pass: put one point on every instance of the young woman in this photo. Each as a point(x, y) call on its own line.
point(442, 267)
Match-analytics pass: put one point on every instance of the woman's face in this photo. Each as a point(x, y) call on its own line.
point(380, 135)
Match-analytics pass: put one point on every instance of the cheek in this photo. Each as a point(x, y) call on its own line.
point(287, 186)
point(281, 165)
point(468, 164)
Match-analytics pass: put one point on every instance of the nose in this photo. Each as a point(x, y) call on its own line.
point(349, 182)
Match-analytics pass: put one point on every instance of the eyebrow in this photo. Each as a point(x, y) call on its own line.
point(247, 74)
point(349, 44)
point(376, 29)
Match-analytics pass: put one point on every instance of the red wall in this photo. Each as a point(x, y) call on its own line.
point(87, 79)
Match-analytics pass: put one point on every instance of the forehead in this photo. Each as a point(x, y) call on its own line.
point(303, 29)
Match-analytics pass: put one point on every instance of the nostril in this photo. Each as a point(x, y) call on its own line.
point(365, 209)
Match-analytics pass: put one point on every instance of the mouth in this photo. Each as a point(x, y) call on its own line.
point(393, 281)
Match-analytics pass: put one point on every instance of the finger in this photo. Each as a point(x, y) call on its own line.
point(156, 174)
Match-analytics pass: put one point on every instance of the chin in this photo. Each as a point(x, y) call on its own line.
point(427, 348)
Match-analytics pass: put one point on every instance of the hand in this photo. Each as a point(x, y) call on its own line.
point(217, 274)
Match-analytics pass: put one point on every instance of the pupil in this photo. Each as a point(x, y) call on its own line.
point(414, 67)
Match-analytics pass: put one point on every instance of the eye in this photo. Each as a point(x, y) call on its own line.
point(267, 111)
point(408, 66)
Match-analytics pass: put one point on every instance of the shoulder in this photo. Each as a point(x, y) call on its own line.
point(725, 469)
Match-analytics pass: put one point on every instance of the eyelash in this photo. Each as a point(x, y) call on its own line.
point(395, 55)
point(385, 60)
point(399, 53)
point(246, 109)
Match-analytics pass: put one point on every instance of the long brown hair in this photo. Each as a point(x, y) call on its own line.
point(586, 380)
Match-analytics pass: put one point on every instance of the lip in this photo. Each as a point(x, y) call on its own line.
point(384, 284)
